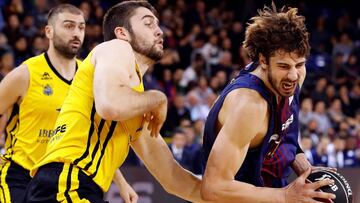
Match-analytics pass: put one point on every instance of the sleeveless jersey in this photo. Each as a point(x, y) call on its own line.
point(96, 146)
point(31, 123)
point(277, 168)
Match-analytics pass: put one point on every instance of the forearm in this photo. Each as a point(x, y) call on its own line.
point(159, 161)
point(300, 164)
point(119, 179)
point(128, 103)
point(235, 191)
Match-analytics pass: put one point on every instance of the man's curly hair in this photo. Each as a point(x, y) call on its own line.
point(274, 30)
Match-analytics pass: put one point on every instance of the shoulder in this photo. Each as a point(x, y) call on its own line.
point(21, 73)
point(17, 80)
point(114, 47)
point(245, 101)
point(35, 61)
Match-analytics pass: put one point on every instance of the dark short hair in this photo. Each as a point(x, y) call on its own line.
point(61, 8)
point(119, 16)
point(273, 30)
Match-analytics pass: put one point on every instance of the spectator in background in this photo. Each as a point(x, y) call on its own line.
point(224, 64)
point(320, 152)
point(350, 159)
point(336, 154)
point(306, 113)
point(335, 112)
point(21, 52)
point(330, 93)
point(177, 148)
point(177, 112)
point(4, 43)
point(345, 100)
point(6, 63)
point(211, 52)
point(321, 117)
point(28, 28)
point(344, 46)
point(354, 97)
point(39, 45)
point(320, 37)
point(193, 72)
point(318, 94)
point(39, 11)
point(168, 86)
point(12, 28)
point(194, 148)
point(15, 7)
point(306, 146)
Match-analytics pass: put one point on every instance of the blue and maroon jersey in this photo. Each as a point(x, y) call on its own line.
point(277, 168)
point(258, 168)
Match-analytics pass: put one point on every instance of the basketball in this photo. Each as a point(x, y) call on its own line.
point(341, 188)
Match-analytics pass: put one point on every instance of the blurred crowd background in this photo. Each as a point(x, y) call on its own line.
point(203, 52)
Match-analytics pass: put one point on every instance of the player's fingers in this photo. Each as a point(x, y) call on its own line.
point(147, 117)
point(314, 201)
point(321, 183)
point(304, 175)
point(333, 169)
point(153, 129)
point(127, 200)
point(322, 195)
point(149, 126)
point(134, 199)
point(157, 128)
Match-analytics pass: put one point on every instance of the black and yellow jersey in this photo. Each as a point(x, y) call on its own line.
point(30, 125)
point(96, 146)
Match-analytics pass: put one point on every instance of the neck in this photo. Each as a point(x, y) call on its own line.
point(65, 66)
point(260, 73)
point(143, 62)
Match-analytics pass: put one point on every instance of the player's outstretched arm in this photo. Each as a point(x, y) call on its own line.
point(114, 63)
point(13, 87)
point(127, 193)
point(158, 159)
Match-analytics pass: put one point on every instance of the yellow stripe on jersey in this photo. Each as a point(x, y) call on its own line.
point(97, 146)
point(4, 188)
point(30, 128)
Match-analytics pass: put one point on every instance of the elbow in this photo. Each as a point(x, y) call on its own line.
point(106, 110)
point(208, 190)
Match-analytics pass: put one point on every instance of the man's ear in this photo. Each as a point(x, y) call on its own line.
point(262, 61)
point(49, 31)
point(122, 33)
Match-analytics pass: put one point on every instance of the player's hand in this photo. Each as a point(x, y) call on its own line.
point(128, 194)
point(300, 191)
point(156, 119)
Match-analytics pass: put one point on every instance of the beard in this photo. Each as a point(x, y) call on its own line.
point(65, 48)
point(145, 48)
point(273, 82)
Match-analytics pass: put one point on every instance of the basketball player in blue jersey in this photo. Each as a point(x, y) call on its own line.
point(35, 92)
point(255, 111)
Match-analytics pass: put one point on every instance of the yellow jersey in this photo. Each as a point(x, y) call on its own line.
point(96, 146)
point(30, 125)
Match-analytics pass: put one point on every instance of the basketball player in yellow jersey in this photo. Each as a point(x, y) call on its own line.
point(106, 112)
point(35, 91)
